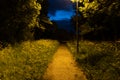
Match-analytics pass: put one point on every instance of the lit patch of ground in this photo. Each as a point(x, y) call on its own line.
point(63, 67)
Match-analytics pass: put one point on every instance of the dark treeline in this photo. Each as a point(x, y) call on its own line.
point(23, 20)
point(27, 20)
point(17, 19)
point(99, 20)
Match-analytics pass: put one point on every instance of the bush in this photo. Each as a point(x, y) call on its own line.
point(100, 60)
point(27, 61)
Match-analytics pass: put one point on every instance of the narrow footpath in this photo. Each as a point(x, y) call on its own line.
point(63, 67)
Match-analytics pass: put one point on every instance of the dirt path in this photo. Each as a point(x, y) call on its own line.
point(63, 67)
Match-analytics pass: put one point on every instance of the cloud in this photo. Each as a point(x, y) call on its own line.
point(55, 5)
point(61, 15)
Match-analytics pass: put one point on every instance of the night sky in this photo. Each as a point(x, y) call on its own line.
point(61, 12)
point(60, 9)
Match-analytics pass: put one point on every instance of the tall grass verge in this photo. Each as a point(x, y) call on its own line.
point(26, 61)
point(99, 60)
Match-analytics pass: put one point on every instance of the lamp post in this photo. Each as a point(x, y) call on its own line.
point(77, 28)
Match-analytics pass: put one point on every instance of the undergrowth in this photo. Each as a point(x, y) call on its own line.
point(99, 60)
point(26, 61)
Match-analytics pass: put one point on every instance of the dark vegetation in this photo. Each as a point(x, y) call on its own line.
point(27, 61)
point(27, 20)
point(99, 20)
point(22, 20)
point(99, 23)
point(99, 60)
point(22, 56)
point(18, 18)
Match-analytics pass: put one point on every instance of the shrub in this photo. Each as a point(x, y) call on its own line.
point(100, 60)
point(26, 61)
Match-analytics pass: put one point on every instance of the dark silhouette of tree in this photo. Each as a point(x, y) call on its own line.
point(47, 28)
point(17, 18)
point(103, 16)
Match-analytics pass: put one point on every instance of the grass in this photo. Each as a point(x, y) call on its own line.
point(26, 61)
point(99, 60)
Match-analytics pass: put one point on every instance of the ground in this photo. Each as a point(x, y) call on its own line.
point(63, 67)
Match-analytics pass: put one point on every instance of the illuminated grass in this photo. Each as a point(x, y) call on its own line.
point(99, 60)
point(27, 61)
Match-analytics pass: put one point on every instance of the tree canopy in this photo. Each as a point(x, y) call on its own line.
point(23, 19)
point(17, 19)
point(102, 15)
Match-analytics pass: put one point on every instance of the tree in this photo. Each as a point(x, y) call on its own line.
point(47, 28)
point(18, 17)
point(102, 14)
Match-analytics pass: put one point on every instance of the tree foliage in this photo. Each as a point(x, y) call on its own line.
point(102, 15)
point(18, 17)
point(46, 27)
point(91, 7)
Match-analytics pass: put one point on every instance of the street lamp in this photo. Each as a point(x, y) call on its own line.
point(77, 28)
